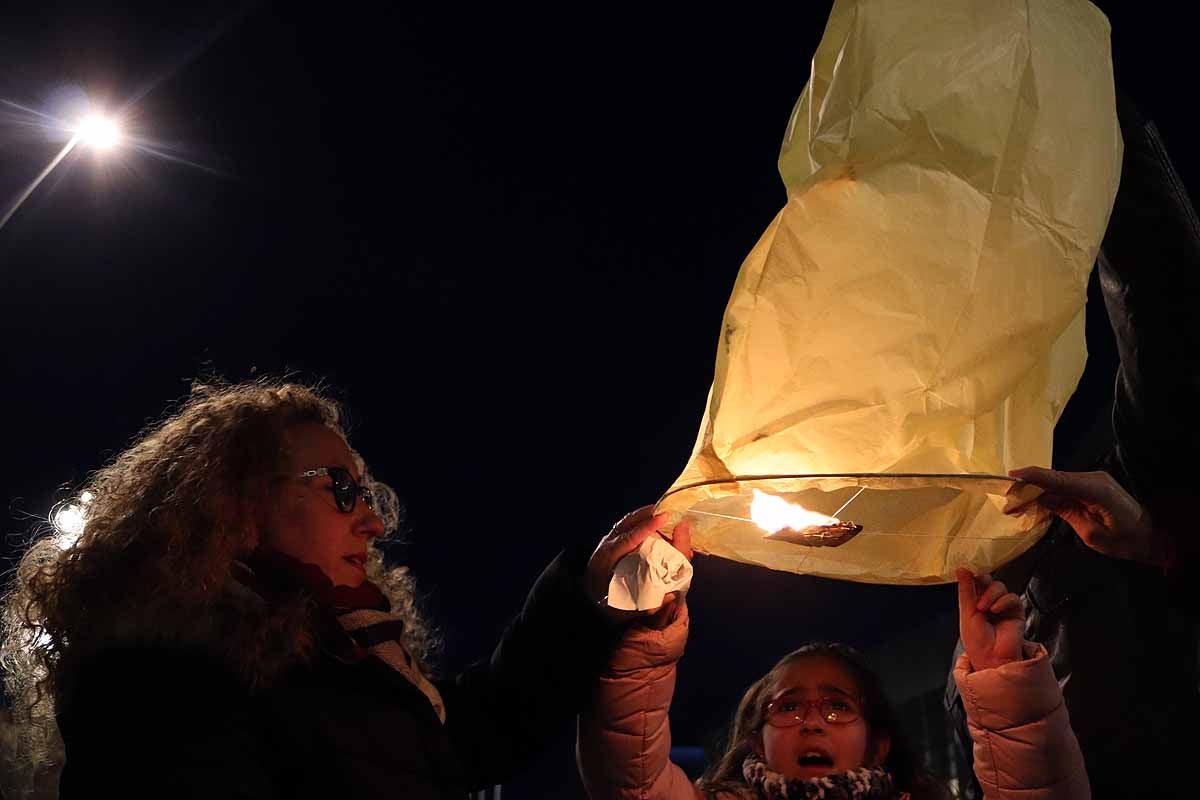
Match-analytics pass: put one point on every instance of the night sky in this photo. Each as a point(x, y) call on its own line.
point(505, 238)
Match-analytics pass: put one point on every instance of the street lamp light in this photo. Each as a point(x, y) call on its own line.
point(87, 126)
point(98, 131)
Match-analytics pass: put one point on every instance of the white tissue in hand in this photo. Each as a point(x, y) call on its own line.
point(642, 578)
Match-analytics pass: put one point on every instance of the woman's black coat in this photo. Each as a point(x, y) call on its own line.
point(154, 721)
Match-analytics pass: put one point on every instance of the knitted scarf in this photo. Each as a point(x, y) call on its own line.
point(379, 633)
point(863, 783)
point(363, 613)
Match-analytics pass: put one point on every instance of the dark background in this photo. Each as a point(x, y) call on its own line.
point(505, 237)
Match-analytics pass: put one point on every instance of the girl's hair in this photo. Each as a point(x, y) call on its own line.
point(162, 527)
point(726, 774)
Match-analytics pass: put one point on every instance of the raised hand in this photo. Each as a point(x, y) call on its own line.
point(991, 621)
point(626, 537)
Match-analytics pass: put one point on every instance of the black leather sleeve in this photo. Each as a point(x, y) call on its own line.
point(1150, 276)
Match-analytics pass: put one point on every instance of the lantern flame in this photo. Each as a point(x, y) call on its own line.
point(773, 514)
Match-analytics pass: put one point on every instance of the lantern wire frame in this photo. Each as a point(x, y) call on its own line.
point(917, 527)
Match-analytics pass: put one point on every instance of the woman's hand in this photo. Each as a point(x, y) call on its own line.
point(626, 537)
point(1102, 513)
point(991, 621)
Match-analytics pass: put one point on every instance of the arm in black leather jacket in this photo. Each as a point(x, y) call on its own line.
point(1106, 622)
point(1150, 275)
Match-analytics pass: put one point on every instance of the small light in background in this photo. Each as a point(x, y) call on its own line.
point(69, 520)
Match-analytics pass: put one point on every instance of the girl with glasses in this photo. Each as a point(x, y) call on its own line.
point(217, 624)
point(817, 725)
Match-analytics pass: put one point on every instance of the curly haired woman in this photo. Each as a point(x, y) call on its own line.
point(222, 627)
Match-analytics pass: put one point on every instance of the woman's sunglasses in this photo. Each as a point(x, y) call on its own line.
point(346, 490)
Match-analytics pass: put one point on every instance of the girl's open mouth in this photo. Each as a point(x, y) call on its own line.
point(815, 758)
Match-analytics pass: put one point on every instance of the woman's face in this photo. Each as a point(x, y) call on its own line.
point(815, 747)
point(304, 521)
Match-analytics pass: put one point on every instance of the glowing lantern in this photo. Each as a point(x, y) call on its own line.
point(910, 325)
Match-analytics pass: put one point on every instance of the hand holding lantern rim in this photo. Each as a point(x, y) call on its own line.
point(1105, 516)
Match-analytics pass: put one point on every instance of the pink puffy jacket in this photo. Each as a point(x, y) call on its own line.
point(1024, 746)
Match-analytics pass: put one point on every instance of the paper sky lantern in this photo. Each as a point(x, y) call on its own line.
point(911, 324)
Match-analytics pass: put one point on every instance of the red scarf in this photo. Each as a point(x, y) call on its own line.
point(281, 574)
point(339, 623)
point(274, 576)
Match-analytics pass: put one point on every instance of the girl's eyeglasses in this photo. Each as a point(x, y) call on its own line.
point(346, 490)
point(787, 712)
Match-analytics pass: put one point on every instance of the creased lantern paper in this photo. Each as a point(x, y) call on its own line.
point(912, 320)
